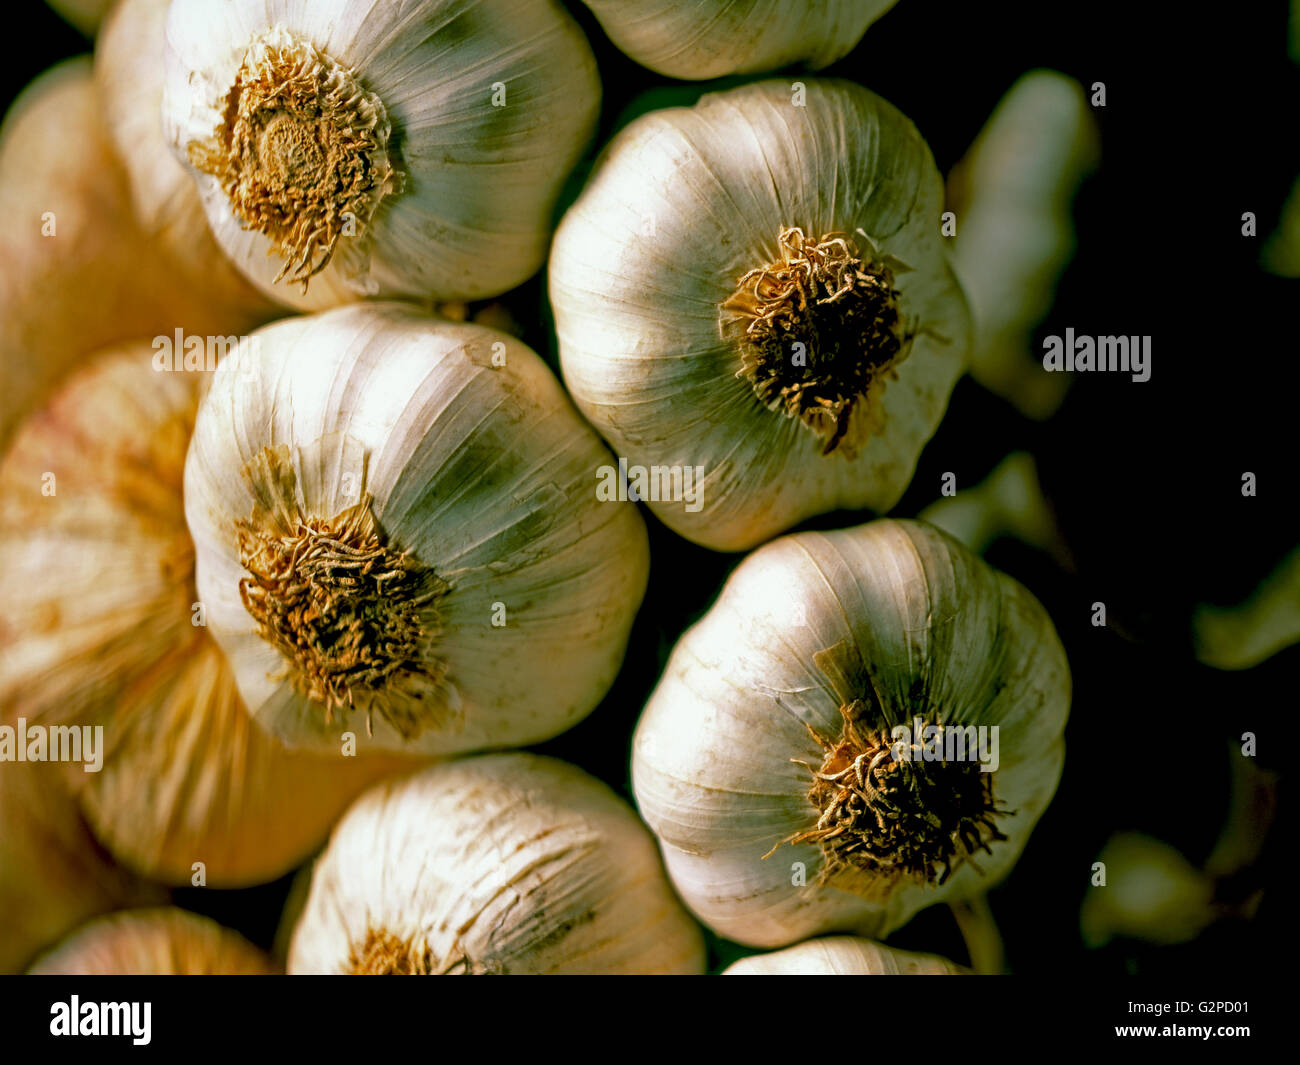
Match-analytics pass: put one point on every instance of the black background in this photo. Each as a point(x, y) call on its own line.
point(1199, 126)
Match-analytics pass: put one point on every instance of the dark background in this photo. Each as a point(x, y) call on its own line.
point(1199, 126)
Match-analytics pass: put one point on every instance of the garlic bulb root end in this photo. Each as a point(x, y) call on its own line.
point(354, 617)
point(302, 151)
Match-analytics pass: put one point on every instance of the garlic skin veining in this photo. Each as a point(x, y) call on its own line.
point(843, 956)
point(757, 286)
point(398, 535)
point(155, 942)
point(499, 864)
point(345, 148)
point(101, 628)
point(767, 760)
point(699, 39)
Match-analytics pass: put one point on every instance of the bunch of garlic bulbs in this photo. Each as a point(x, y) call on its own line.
point(398, 535)
point(158, 942)
point(508, 863)
point(770, 762)
point(101, 628)
point(755, 290)
point(346, 148)
point(710, 38)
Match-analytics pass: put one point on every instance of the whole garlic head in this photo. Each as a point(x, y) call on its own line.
point(345, 148)
point(711, 38)
point(755, 289)
point(398, 534)
point(865, 723)
point(843, 956)
point(508, 863)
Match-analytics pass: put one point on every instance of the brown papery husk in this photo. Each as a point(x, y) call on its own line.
point(100, 278)
point(97, 628)
point(155, 942)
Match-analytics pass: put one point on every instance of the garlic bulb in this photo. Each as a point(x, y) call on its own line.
point(711, 38)
point(345, 148)
point(129, 81)
point(79, 272)
point(101, 631)
point(53, 874)
point(508, 863)
point(161, 942)
point(753, 292)
point(1013, 192)
point(843, 956)
point(867, 722)
point(398, 534)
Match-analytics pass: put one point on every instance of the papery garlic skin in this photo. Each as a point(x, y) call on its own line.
point(479, 112)
point(129, 82)
point(843, 956)
point(101, 627)
point(481, 479)
point(686, 203)
point(940, 635)
point(159, 942)
point(700, 39)
point(508, 863)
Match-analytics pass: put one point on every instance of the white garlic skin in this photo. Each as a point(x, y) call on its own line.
point(473, 217)
point(508, 863)
point(484, 473)
point(843, 956)
point(711, 765)
point(699, 39)
point(683, 203)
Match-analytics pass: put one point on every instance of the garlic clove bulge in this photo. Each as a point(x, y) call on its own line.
point(498, 864)
point(102, 632)
point(158, 942)
point(399, 535)
point(843, 956)
point(754, 290)
point(766, 758)
point(346, 149)
point(711, 38)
